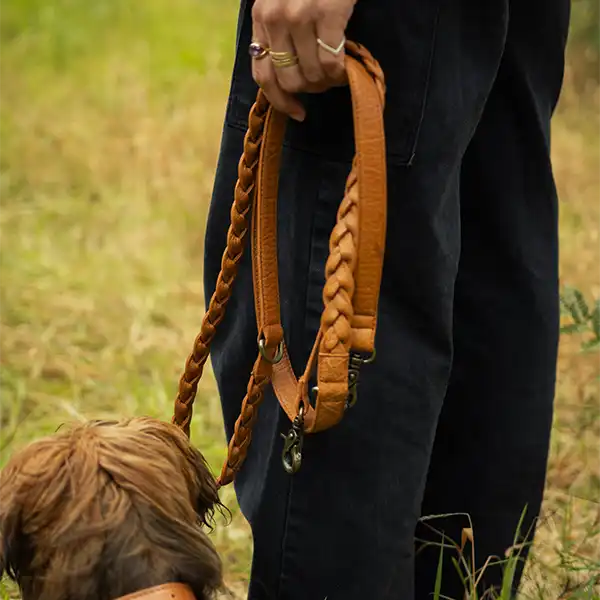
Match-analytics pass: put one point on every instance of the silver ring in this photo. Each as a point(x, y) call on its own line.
point(331, 49)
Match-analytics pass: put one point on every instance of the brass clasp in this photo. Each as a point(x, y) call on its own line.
point(291, 456)
point(356, 362)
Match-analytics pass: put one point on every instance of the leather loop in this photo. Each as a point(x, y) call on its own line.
point(353, 269)
point(355, 262)
point(168, 591)
point(356, 244)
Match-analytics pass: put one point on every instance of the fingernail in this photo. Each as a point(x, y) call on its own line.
point(298, 116)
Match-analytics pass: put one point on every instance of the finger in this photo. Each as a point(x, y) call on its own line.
point(332, 63)
point(263, 73)
point(285, 60)
point(304, 37)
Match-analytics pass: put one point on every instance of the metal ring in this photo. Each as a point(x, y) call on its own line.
point(281, 64)
point(257, 50)
point(283, 59)
point(285, 55)
point(331, 49)
point(370, 359)
point(263, 352)
point(315, 392)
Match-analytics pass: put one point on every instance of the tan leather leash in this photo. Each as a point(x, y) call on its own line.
point(346, 337)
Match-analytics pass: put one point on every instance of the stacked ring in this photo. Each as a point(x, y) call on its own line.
point(283, 59)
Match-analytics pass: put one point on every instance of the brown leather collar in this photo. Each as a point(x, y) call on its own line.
point(167, 591)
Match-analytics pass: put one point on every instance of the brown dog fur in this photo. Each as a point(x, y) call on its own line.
point(106, 508)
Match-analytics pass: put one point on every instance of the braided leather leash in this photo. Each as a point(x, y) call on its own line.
point(346, 338)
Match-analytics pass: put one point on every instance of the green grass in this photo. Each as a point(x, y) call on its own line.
point(110, 119)
point(110, 122)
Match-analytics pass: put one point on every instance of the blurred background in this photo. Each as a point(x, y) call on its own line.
point(110, 117)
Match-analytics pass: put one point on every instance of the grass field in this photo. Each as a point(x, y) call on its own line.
point(110, 122)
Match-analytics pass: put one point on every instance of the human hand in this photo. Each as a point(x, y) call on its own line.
point(298, 47)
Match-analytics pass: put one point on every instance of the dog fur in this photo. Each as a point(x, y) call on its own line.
point(107, 508)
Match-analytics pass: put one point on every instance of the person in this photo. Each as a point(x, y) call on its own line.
point(454, 415)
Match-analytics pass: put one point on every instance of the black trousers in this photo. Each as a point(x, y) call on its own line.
point(454, 415)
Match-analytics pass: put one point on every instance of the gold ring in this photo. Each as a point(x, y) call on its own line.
point(281, 55)
point(283, 59)
point(282, 64)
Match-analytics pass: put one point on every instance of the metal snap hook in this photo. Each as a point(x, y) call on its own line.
point(355, 363)
point(291, 455)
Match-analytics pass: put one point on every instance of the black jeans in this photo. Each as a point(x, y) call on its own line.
point(455, 413)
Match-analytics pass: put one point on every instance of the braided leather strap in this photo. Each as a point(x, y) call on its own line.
point(339, 272)
point(338, 293)
point(236, 239)
point(242, 433)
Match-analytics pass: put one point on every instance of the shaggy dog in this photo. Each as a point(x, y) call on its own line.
point(107, 508)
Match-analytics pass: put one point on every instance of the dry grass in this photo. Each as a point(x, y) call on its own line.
point(107, 166)
point(568, 541)
point(111, 118)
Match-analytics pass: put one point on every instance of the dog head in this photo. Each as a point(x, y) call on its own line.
point(106, 508)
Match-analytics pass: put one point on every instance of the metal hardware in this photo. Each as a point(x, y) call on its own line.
point(291, 456)
point(356, 362)
point(262, 348)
